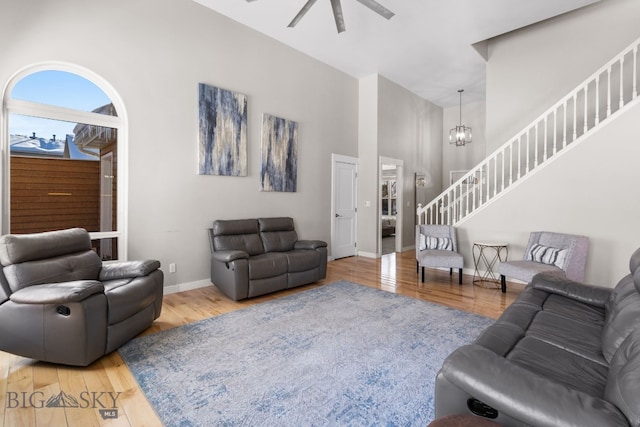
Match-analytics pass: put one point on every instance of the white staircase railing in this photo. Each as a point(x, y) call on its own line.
point(598, 99)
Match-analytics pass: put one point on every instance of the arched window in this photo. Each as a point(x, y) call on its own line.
point(64, 157)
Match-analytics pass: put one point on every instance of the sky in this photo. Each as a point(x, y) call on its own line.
point(54, 88)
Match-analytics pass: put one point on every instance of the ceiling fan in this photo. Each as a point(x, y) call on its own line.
point(337, 11)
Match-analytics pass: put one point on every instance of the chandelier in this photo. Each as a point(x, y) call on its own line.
point(461, 134)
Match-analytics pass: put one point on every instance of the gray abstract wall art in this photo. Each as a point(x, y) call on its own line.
point(222, 132)
point(279, 168)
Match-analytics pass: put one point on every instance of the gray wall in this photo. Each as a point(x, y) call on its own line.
point(410, 129)
point(530, 69)
point(588, 190)
point(463, 158)
point(154, 54)
point(397, 124)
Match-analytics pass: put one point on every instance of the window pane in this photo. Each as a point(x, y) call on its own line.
point(107, 248)
point(62, 182)
point(63, 90)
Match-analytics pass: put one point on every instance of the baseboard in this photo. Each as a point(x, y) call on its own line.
point(367, 254)
point(181, 287)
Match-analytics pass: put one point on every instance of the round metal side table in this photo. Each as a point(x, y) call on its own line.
point(485, 256)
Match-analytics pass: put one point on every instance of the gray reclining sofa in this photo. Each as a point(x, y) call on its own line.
point(59, 303)
point(563, 354)
point(251, 257)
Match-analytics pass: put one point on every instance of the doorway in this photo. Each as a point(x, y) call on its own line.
point(390, 205)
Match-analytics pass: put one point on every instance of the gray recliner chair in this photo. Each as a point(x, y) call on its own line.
point(60, 304)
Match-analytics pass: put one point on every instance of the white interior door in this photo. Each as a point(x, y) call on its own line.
point(344, 203)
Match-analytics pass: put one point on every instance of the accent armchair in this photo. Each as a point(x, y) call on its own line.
point(60, 304)
point(562, 254)
point(437, 247)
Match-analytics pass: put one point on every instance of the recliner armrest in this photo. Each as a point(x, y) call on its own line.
point(58, 293)
point(524, 395)
point(588, 294)
point(228, 256)
point(127, 269)
point(310, 244)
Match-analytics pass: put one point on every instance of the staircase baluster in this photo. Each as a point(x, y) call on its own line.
point(511, 164)
point(564, 131)
point(535, 146)
point(502, 167)
point(544, 153)
point(555, 131)
point(586, 102)
point(621, 82)
point(575, 117)
point(635, 72)
point(609, 91)
point(528, 150)
point(597, 119)
point(519, 157)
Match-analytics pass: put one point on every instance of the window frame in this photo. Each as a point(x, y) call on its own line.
point(27, 108)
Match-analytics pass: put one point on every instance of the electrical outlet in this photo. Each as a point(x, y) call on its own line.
point(172, 268)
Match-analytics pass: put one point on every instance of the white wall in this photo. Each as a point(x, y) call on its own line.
point(588, 191)
point(368, 210)
point(154, 54)
point(530, 69)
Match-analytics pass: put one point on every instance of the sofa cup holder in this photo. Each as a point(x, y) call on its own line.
point(481, 409)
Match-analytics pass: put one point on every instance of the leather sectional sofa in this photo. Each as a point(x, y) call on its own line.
point(252, 257)
point(563, 354)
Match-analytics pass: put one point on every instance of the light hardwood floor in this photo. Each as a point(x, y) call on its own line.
point(25, 384)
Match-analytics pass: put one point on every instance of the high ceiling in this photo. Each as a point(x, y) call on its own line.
point(427, 47)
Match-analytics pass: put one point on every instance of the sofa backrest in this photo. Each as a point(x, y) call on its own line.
point(49, 257)
point(237, 235)
point(278, 234)
point(622, 310)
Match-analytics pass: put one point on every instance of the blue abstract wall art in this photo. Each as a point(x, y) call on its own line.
point(222, 132)
point(279, 169)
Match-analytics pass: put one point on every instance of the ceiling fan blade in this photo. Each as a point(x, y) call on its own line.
point(300, 14)
point(378, 8)
point(337, 14)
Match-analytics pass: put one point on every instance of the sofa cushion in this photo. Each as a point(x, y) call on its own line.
point(527, 269)
point(237, 235)
point(302, 260)
point(558, 365)
point(267, 265)
point(574, 336)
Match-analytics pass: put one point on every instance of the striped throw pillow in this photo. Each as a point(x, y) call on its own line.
point(547, 255)
point(439, 243)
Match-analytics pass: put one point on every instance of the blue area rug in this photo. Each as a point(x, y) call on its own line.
point(340, 354)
